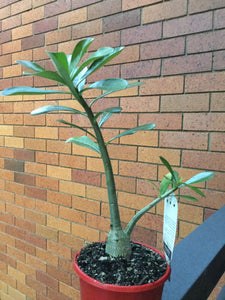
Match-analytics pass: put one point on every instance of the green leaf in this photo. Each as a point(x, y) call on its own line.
point(110, 110)
point(110, 92)
point(30, 65)
point(26, 90)
point(98, 63)
point(112, 84)
point(84, 141)
point(47, 74)
point(201, 177)
point(167, 165)
point(75, 126)
point(195, 189)
point(165, 184)
point(188, 198)
point(133, 130)
point(105, 116)
point(78, 52)
point(55, 108)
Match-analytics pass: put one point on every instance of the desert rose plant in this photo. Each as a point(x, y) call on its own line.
point(72, 71)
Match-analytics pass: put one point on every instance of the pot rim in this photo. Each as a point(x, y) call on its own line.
point(121, 288)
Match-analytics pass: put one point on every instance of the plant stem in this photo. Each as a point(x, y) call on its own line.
point(140, 213)
point(118, 242)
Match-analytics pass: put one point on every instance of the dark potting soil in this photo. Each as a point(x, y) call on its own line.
point(144, 265)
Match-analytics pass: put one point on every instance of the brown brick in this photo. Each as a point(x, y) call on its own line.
point(164, 48)
point(164, 11)
point(36, 285)
point(187, 25)
point(11, 22)
point(149, 104)
point(86, 205)
point(35, 168)
point(217, 182)
point(33, 15)
point(187, 64)
point(162, 121)
point(58, 36)
point(11, 47)
point(46, 132)
point(25, 247)
point(140, 34)
point(25, 201)
point(104, 8)
point(72, 161)
point(87, 29)
point(121, 21)
point(129, 54)
point(85, 232)
point(186, 228)
point(25, 179)
point(141, 69)
point(126, 5)
point(35, 216)
point(151, 155)
point(21, 6)
point(24, 131)
point(73, 17)
point(72, 188)
point(182, 103)
point(47, 256)
point(5, 12)
point(122, 152)
point(205, 82)
point(139, 170)
point(219, 60)
point(47, 158)
point(47, 208)
point(106, 72)
point(41, 2)
point(59, 249)
point(203, 5)
point(24, 154)
point(166, 85)
point(72, 215)
point(185, 140)
point(22, 31)
point(58, 146)
point(45, 25)
point(206, 42)
point(204, 122)
point(203, 160)
point(5, 60)
point(33, 42)
point(217, 142)
point(47, 183)
point(14, 165)
point(219, 18)
point(123, 184)
point(56, 8)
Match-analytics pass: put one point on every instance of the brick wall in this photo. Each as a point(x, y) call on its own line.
point(53, 195)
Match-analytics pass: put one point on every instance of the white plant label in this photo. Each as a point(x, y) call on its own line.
point(169, 226)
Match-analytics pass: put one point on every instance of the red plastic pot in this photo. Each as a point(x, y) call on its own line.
point(92, 289)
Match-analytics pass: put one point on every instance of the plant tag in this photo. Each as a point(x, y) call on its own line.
point(169, 226)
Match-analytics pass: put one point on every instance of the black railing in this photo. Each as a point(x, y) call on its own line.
point(198, 261)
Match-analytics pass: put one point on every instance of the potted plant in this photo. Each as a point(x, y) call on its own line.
point(72, 71)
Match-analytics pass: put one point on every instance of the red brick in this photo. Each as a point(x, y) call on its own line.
point(86, 177)
point(47, 183)
point(36, 285)
point(5, 36)
point(187, 64)
point(187, 25)
point(164, 48)
point(106, 72)
point(33, 15)
point(11, 47)
point(217, 142)
point(87, 29)
point(141, 69)
point(186, 102)
point(58, 198)
point(56, 8)
point(58, 274)
point(11, 22)
point(140, 34)
point(162, 121)
point(203, 5)
point(185, 140)
point(6, 2)
point(129, 54)
point(47, 158)
point(122, 152)
point(35, 193)
point(219, 60)
point(121, 121)
point(217, 182)
point(8, 260)
point(126, 5)
point(104, 8)
point(204, 122)
point(161, 86)
point(25, 247)
point(121, 21)
point(53, 294)
point(33, 42)
point(139, 170)
point(164, 11)
point(45, 25)
point(206, 82)
point(16, 232)
point(24, 155)
point(5, 60)
point(204, 42)
point(111, 39)
point(47, 280)
point(203, 160)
